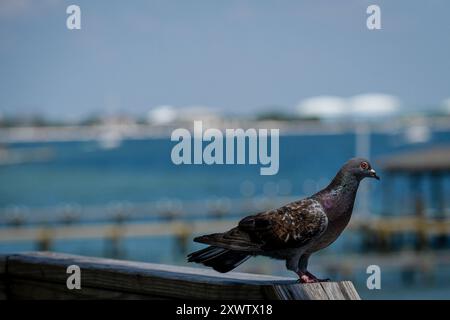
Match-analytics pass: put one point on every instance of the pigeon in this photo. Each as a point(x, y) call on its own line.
point(292, 232)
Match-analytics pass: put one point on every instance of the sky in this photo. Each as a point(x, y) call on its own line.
point(236, 56)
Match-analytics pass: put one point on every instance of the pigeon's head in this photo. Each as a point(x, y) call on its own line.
point(360, 168)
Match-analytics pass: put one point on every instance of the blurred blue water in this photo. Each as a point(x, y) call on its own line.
point(141, 170)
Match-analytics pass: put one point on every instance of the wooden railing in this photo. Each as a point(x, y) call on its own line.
point(43, 275)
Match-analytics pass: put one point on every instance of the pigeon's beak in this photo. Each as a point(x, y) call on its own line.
point(373, 174)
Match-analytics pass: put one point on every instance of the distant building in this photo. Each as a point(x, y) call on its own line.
point(165, 114)
point(364, 106)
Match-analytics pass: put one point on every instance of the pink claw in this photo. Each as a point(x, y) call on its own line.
point(305, 278)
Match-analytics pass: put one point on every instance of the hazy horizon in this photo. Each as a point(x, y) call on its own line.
point(236, 56)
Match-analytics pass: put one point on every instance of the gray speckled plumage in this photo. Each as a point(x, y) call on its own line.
point(292, 232)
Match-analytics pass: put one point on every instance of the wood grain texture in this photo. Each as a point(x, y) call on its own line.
point(42, 275)
point(38, 290)
point(3, 286)
point(2, 264)
point(333, 290)
point(311, 291)
point(349, 290)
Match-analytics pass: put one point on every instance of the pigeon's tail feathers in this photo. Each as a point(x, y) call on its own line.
point(233, 239)
point(220, 259)
point(205, 254)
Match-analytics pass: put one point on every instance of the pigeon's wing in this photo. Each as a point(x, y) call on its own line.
point(292, 226)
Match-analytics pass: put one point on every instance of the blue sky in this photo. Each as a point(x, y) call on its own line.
point(239, 56)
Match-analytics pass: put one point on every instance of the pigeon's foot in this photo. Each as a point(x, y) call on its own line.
point(303, 277)
point(311, 276)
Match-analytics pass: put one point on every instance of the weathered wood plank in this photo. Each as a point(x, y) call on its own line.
point(333, 290)
point(143, 278)
point(2, 264)
point(313, 291)
point(3, 277)
point(175, 272)
point(37, 290)
point(281, 292)
point(42, 275)
point(310, 291)
point(349, 291)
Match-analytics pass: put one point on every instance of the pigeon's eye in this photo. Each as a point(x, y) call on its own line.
point(364, 165)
